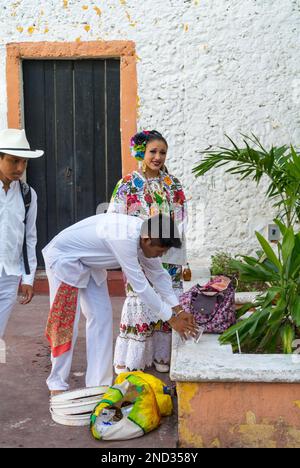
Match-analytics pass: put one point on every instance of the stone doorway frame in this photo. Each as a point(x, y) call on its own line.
point(124, 50)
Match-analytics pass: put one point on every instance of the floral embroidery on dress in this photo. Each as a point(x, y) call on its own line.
point(141, 339)
point(136, 196)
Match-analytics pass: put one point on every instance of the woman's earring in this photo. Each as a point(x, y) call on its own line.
point(144, 167)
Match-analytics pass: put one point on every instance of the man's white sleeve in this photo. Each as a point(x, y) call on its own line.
point(160, 279)
point(126, 254)
point(31, 239)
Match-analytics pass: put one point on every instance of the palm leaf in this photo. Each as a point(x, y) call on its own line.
point(268, 251)
point(295, 311)
point(288, 336)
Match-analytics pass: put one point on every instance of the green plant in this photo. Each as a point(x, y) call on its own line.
point(280, 164)
point(276, 322)
point(221, 265)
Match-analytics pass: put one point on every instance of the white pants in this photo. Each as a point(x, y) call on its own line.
point(9, 285)
point(95, 304)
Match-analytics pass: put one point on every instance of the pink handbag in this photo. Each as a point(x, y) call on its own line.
point(213, 305)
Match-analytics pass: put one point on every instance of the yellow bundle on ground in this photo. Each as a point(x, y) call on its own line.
point(132, 407)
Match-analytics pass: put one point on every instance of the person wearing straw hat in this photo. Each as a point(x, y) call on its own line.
point(18, 209)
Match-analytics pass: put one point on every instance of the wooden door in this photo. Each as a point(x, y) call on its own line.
point(72, 111)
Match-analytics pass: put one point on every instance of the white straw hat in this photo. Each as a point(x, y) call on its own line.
point(13, 141)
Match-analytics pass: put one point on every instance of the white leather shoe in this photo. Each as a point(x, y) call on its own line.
point(120, 370)
point(161, 367)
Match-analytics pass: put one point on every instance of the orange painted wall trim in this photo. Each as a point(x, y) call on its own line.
point(125, 50)
point(238, 414)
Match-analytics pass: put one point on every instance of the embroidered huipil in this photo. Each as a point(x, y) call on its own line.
point(143, 339)
point(12, 213)
point(137, 196)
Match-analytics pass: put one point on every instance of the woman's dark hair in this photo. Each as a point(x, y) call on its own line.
point(162, 230)
point(147, 136)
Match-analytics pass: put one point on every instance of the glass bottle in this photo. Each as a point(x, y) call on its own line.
point(187, 273)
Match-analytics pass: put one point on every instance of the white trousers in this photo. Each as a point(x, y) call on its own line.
point(95, 304)
point(9, 285)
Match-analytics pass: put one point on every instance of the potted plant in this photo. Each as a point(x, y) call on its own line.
point(281, 165)
point(250, 399)
point(275, 324)
point(221, 265)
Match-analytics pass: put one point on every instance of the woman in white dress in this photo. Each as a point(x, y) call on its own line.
point(143, 341)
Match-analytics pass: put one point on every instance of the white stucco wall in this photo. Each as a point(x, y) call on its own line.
point(205, 68)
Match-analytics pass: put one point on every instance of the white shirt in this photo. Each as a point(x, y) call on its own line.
point(12, 214)
point(108, 241)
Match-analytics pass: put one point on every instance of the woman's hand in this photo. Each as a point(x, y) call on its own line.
point(184, 324)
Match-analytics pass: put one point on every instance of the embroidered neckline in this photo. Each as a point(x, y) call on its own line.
point(160, 176)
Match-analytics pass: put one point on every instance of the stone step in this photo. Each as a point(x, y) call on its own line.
point(114, 280)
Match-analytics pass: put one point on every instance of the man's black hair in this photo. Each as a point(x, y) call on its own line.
point(163, 230)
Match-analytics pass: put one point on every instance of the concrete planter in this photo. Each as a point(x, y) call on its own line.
point(235, 400)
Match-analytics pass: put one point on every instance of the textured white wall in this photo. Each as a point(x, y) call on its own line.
point(205, 68)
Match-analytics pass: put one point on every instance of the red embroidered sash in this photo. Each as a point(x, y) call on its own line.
point(60, 325)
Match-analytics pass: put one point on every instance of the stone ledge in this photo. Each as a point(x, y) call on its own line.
point(208, 361)
point(244, 297)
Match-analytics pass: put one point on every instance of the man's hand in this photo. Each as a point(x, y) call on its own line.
point(184, 324)
point(27, 293)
